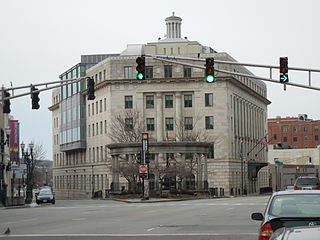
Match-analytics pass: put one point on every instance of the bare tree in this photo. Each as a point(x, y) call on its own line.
point(130, 171)
point(127, 127)
point(39, 153)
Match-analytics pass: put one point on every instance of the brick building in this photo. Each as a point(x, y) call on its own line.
point(297, 132)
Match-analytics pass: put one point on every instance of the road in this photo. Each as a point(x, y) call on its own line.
point(227, 218)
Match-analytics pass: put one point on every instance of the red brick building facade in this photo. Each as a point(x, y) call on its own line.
point(297, 132)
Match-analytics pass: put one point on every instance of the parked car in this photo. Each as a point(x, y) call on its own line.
point(287, 209)
point(45, 196)
point(307, 183)
point(290, 188)
point(310, 233)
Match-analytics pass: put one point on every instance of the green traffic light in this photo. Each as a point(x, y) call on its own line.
point(139, 76)
point(210, 79)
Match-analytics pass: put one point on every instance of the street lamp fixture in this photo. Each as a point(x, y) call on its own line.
point(28, 159)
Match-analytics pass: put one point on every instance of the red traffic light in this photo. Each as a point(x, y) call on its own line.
point(283, 65)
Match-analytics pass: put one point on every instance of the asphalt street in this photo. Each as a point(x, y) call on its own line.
point(227, 218)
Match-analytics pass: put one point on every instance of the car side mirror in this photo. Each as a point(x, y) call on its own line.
point(257, 216)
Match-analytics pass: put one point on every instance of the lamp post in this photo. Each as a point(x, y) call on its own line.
point(28, 158)
point(3, 184)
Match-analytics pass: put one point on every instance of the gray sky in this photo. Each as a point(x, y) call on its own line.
point(40, 39)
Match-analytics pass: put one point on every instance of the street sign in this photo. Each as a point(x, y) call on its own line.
point(143, 169)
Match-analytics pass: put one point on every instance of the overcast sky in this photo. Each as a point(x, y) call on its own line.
point(40, 39)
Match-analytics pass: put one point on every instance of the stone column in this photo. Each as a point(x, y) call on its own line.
point(115, 173)
point(159, 120)
point(178, 119)
point(184, 180)
point(156, 174)
point(205, 171)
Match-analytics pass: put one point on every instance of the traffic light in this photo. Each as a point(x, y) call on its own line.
point(139, 157)
point(147, 157)
point(141, 67)
point(284, 78)
point(6, 103)
point(210, 78)
point(35, 98)
point(90, 86)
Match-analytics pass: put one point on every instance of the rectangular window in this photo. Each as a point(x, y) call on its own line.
point(89, 131)
point(305, 129)
point(208, 99)
point(211, 151)
point(101, 127)
point(150, 124)
point(284, 129)
point(129, 123)
point(97, 129)
point(127, 72)
point(188, 123)
point(274, 136)
point(100, 76)
point(168, 101)
point(105, 104)
point(295, 139)
point(306, 138)
point(89, 110)
point(169, 124)
point(105, 126)
point(316, 138)
point(128, 102)
point(209, 122)
point(92, 108)
point(285, 139)
point(149, 101)
point(92, 129)
point(187, 72)
point(316, 128)
point(187, 100)
point(100, 105)
point(104, 74)
point(167, 71)
point(97, 107)
point(149, 72)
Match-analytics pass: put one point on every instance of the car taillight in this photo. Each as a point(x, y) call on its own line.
point(318, 188)
point(265, 232)
point(296, 188)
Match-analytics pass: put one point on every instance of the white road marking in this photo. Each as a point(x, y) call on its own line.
point(25, 220)
point(150, 229)
point(78, 219)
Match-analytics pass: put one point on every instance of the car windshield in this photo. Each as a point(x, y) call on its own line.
point(45, 192)
point(307, 181)
point(295, 205)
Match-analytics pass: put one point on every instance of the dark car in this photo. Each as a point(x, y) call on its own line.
point(307, 183)
point(310, 233)
point(45, 196)
point(287, 209)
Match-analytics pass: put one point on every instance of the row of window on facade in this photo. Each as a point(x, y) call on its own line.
point(295, 138)
point(70, 158)
point(305, 128)
point(97, 107)
point(82, 182)
point(168, 101)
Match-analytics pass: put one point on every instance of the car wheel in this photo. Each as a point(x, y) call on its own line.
point(53, 202)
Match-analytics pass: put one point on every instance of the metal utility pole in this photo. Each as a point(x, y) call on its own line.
point(144, 167)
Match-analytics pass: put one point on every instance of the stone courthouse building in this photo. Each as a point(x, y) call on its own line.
point(209, 126)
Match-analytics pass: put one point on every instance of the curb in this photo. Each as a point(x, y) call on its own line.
point(154, 201)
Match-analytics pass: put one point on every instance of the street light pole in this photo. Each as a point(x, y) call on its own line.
point(28, 158)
